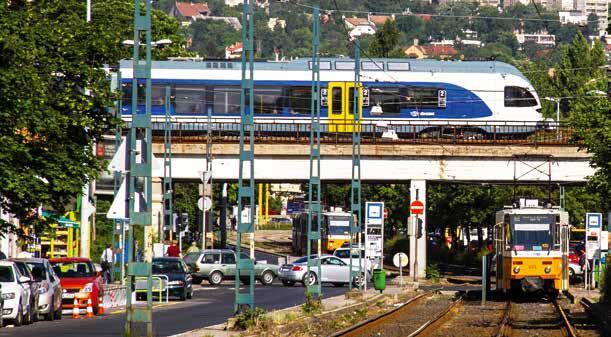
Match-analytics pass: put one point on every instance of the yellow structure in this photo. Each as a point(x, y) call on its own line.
point(63, 238)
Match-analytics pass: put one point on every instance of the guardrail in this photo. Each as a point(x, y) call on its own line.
point(374, 132)
point(159, 286)
point(114, 296)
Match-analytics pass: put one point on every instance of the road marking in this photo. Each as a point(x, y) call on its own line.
point(169, 304)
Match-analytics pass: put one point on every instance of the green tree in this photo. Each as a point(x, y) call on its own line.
point(54, 96)
point(211, 37)
point(386, 39)
point(411, 27)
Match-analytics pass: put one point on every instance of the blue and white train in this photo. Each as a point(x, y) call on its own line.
point(396, 91)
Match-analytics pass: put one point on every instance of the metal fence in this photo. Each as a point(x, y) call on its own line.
point(387, 132)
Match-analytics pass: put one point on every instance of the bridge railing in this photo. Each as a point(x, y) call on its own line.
point(391, 132)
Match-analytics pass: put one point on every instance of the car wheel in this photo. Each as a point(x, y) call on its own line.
point(358, 281)
point(27, 317)
point(288, 283)
point(215, 278)
point(19, 317)
point(309, 279)
point(58, 313)
point(267, 278)
point(338, 285)
point(51, 315)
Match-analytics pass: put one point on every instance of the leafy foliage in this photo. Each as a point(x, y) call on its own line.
point(311, 305)
point(250, 319)
point(55, 94)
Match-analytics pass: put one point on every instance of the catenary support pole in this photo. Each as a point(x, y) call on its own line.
point(314, 209)
point(355, 184)
point(139, 318)
point(167, 165)
point(246, 180)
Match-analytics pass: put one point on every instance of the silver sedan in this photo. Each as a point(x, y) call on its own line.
point(333, 270)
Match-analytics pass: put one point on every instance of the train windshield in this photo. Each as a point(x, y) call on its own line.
point(339, 225)
point(532, 232)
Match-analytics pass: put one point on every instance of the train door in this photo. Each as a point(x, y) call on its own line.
point(341, 106)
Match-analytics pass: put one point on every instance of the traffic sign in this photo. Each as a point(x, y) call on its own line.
point(416, 207)
point(204, 204)
point(400, 260)
point(385, 213)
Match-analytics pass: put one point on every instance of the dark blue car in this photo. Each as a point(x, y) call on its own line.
point(177, 272)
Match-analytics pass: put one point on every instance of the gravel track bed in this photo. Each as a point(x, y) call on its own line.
point(535, 319)
point(411, 318)
point(472, 319)
point(584, 324)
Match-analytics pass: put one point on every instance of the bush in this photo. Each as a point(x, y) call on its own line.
point(396, 244)
point(250, 319)
point(605, 283)
point(311, 305)
point(432, 273)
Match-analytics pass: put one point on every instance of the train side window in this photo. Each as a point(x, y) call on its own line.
point(299, 100)
point(336, 97)
point(519, 97)
point(351, 101)
point(226, 99)
point(421, 97)
point(388, 98)
point(189, 99)
point(157, 94)
point(268, 100)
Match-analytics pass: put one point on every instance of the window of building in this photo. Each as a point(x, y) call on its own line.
point(519, 97)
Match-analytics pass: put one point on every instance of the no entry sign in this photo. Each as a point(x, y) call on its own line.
point(416, 207)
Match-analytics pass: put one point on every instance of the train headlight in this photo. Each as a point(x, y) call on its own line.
point(516, 269)
point(548, 269)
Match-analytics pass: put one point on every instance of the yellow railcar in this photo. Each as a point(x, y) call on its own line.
point(531, 245)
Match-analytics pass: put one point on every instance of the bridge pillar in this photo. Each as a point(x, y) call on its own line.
point(417, 257)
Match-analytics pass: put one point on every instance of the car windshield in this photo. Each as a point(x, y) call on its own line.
point(191, 257)
point(6, 274)
point(339, 230)
point(164, 267)
point(74, 269)
point(344, 254)
point(38, 271)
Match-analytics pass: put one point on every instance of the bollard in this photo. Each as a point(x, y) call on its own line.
point(75, 309)
point(89, 313)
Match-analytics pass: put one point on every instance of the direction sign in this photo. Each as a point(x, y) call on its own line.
point(416, 207)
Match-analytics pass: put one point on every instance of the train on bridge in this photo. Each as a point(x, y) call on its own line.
point(391, 92)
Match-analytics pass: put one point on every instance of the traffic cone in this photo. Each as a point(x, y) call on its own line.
point(75, 309)
point(101, 306)
point(89, 313)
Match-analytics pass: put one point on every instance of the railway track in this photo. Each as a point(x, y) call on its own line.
point(554, 322)
point(393, 323)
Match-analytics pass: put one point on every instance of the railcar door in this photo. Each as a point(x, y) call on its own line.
point(341, 106)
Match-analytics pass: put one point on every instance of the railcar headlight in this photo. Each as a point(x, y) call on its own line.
point(548, 269)
point(516, 269)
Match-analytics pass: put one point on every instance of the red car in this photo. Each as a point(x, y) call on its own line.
point(78, 274)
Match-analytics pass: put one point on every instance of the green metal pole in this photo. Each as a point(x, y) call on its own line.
point(167, 164)
point(117, 225)
point(246, 182)
point(314, 186)
point(355, 190)
point(139, 319)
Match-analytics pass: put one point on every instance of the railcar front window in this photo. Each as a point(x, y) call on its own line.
point(519, 97)
point(531, 232)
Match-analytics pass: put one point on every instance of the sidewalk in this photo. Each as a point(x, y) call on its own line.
point(331, 305)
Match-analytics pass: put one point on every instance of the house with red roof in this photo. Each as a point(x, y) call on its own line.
point(187, 12)
point(234, 51)
point(440, 52)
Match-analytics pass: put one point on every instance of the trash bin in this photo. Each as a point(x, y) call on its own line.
point(379, 279)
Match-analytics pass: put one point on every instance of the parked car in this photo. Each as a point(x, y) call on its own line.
point(34, 286)
point(216, 265)
point(16, 294)
point(333, 270)
point(50, 289)
point(78, 275)
point(179, 279)
point(344, 255)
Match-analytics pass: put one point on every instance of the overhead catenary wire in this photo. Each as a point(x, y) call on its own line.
point(478, 17)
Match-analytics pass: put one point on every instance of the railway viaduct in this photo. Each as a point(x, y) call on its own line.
point(383, 161)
